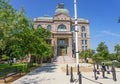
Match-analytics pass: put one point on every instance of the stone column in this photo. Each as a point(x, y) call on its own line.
point(55, 46)
point(70, 46)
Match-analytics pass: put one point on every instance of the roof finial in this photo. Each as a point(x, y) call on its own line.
point(60, 5)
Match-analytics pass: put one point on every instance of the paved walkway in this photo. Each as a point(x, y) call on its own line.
point(52, 74)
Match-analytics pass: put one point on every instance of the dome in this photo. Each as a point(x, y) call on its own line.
point(61, 9)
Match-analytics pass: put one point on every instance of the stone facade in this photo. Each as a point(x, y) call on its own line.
point(62, 27)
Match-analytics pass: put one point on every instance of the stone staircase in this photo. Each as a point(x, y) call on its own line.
point(64, 59)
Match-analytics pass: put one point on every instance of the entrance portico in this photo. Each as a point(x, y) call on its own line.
point(63, 43)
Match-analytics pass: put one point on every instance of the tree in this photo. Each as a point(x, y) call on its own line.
point(87, 54)
point(102, 51)
point(7, 15)
point(18, 38)
point(44, 50)
point(7, 23)
point(112, 56)
point(117, 49)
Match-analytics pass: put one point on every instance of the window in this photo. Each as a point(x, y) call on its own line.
point(39, 26)
point(82, 41)
point(62, 27)
point(49, 27)
point(83, 35)
point(83, 28)
point(85, 41)
point(62, 41)
point(73, 35)
point(73, 28)
point(85, 47)
point(82, 48)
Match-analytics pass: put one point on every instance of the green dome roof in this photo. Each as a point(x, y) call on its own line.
point(61, 10)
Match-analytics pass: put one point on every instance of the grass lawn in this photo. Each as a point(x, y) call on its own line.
point(19, 65)
point(8, 65)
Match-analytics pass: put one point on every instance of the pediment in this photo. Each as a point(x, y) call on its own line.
point(61, 16)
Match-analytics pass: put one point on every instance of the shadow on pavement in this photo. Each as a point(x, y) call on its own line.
point(48, 68)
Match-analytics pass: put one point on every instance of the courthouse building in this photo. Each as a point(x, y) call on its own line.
point(62, 27)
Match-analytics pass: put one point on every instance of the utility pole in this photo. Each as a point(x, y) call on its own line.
point(76, 33)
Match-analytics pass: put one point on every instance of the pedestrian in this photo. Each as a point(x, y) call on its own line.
point(103, 66)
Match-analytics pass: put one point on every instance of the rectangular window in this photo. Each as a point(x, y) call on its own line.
point(82, 48)
point(73, 28)
point(85, 41)
point(82, 35)
point(62, 41)
point(73, 35)
point(82, 41)
point(85, 35)
point(85, 47)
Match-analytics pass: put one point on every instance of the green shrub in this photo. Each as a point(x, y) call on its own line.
point(4, 57)
point(109, 63)
point(117, 64)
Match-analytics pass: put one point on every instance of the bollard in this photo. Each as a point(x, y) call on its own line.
point(98, 72)
point(78, 71)
point(97, 66)
point(108, 71)
point(80, 78)
point(67, 72)
point(71, 75)
point(95, 72)
point(113, 72)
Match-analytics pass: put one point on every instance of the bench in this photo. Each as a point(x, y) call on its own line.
point(9, 71)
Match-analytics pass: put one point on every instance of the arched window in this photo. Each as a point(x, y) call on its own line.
point(83, 28)
point(49, 27)
point(39, 26)
point(61, 28)
point(73, 28)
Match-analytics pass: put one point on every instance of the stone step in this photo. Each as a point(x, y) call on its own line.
point(65, 59)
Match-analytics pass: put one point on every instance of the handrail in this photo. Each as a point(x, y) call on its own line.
point(88, 79)
point(91, 80)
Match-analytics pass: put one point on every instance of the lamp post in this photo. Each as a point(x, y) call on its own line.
point(76, 33)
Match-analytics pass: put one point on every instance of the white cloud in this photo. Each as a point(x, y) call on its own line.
point(111, 33)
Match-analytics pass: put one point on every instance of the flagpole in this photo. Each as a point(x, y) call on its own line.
point(76, 33)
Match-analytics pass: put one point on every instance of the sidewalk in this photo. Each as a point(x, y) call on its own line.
point(52, 74)
point(48, 74)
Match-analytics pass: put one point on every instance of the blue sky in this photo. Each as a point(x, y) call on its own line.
point(102, 14)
